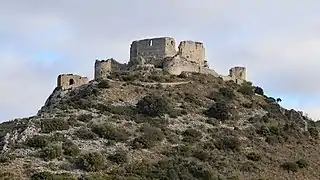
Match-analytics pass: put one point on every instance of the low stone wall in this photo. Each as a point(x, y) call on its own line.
point(176, 66)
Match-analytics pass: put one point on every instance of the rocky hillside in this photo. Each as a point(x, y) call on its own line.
point(158, 126)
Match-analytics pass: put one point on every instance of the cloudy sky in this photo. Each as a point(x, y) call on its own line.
point(277, 40)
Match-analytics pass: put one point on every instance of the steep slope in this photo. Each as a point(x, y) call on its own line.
point(160, 126)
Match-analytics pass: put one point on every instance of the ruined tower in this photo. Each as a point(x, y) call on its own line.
point(151, 51)
point(238, 73)
point(192, 51)
point(65, 81)
point(102, 69)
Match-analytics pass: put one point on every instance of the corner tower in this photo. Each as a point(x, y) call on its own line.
point(238, 73)
point(102, 69)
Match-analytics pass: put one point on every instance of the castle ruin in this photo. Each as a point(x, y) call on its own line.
point(66, 81)
point(161, 54)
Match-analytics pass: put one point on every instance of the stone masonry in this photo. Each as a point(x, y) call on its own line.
point(102, 69)
point(157, 54)
point(238, 72)
point(66, 81)
point(151, 51)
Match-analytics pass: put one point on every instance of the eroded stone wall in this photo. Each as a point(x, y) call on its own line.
point(238, 72)
point(102, 69)
point(68, 80)
point(155, 50)
point(192, 51)
point(151, 50)
point(176, 66)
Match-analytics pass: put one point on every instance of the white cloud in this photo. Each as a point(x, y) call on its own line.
point(276, 40)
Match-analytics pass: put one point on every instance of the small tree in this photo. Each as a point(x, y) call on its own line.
point(92, 161)
point(259, 90)
point(227, 93)
point(246, 89)
point(290, 166)
point(219, 110)
point(153, 105)
point(279, 100)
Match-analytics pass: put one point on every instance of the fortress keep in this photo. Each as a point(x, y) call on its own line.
point(161, 54)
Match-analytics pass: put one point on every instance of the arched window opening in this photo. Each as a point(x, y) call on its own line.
point(71, 82)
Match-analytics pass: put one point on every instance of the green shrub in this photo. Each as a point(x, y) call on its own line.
point(107, 131)
point(192, 98)
point(4, 158)
point(227, 93)
point(50, 176)
point(290, 166)
point(85, 117)
point(248, 166)
point(55, 137)
point(314, 132)
point(42, 176)
point(246, 89)
point(219, 110)
point(95, 176)
point(228, 143)
point(104, 84)
point(119, 157)
point(302, 163)
point(50, 125)
point(38, 141)
point(191, 135)
point(154, 105)
point(70, 149)
point(149, 138)
point(258, 90)
point(4, 175)
point(254, 156)
point(202, 155)
point(85, 134)
point(51, 152)
point(92, 161)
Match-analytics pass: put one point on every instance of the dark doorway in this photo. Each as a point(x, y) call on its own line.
point(71, 82)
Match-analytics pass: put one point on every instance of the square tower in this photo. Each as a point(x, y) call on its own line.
point(152, 51)
point(238, 72)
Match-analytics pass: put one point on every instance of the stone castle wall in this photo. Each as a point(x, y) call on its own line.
point(192, 51)
point(157, 54)
point(176, 66)
point(151, 50)
point(155, 50)
point(238, 72)
point(70, 80)
point(103, 68)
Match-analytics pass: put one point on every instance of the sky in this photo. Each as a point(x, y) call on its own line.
point(278, 42)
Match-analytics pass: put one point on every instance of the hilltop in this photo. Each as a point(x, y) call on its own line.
point(156, 125)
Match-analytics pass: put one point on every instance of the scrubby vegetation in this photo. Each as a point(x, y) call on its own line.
point(132, 127)
point(92, 161)
point(154, 105)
